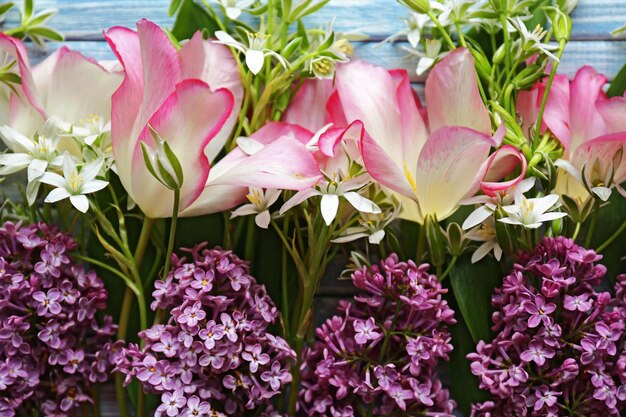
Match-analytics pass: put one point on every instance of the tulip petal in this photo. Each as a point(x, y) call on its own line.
point(557, 115)
point(500, 164)
point(383, 102)
point(613, 112)
point(603, 149)
point(216, 198)
point(585, 120)
point(308, 106)
point(385, 170)
point(452, 94)
point(188, 120)
point(274, 130)
point(449, 169)
point(214, 64)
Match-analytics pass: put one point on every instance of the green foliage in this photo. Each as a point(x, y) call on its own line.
point(190, 18)
point(33, 25)
point(618, 85)
point(473, 286)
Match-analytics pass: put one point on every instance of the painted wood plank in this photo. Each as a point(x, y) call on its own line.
point(606, 56)
point(86, 19)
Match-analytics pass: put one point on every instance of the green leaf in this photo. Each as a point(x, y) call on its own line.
point(28, 9)
point(618, 86)
point(4, 7)
point(463, 384)
point(473, 286)
point(191, 18)
point(174, 5)
point(45, 32)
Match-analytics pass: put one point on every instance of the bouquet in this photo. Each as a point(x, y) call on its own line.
point(475, 202)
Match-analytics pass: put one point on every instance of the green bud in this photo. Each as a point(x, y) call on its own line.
point(420, 6)
point(499, 55)
point(567, 6)
point(456, 239)
point(561, 23)
point(162, 162)
point(436, 241)
point(557, 226)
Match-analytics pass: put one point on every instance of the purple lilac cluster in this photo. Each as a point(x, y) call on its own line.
point(378, 356)
point(559, 348)
point(52, 348)
point(215, 354)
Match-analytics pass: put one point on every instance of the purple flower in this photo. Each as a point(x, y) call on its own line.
point(276, 376)
point(192, 314)
point(539, 311)
point(380, 352)
point(365, 331)
point(51, 352)
point(537, 353)
point(572, 347)
point(171, 402)
point(48, 302)
point(215, 348)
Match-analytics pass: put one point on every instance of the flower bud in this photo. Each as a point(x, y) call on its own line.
point(567, 6)
point(162, 162)
point(420, 6)
point(499, 55)
point(436, 241)
point(456, 239)
point(561, 23)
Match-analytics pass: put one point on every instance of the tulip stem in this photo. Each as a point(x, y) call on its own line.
point(592, 226)
point(612, 238)
point(546, 93)
point(172, 237)
point(443, 30)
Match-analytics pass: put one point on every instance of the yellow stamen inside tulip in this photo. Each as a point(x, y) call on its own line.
point(410, 178)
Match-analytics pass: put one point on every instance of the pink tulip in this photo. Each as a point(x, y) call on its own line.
point(433, 165)
point(501, 164)
point(590, 126)
point(191, 97)
point(66, 85)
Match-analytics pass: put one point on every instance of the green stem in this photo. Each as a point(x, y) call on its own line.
point(448, 269)
point(121, 335)
point(250, 243)
point(612, 238)
point(461, 36)
point(507, 43)
point(546, 93)
point(443, 30)
point(95, 395)
point(576, 231)
point(421, 245)
point(592, 226)
point(172, 237)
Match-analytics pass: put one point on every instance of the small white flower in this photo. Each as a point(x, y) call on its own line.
point(427, 59)
point(255, 51)
point(74, 184)
point(372, 226)
point(260, 203)
point(330, 193)
point(34, 155)
point(532, 41)
point(416, 23)
point(233, 8)
point(490, 203)
point(531, 212)
point(87, 130)
point(485, 233)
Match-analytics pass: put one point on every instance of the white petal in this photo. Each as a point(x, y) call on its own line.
point(329, 206)
point(543, 204)
point(414, 37)
point(278, 56)
point(91, 170)
point(510, 220)
point(271, 195)
point(245, 210)
point(226, 39)
point(350, 237)
point(93, 186)
point(255, 60)
point(551, 216)
point(478, 199)
point(248, 145)
point(36, 169)
point(15, 140)
point(482, 251)
point(69, 167)
point(497, 251)
point(603, 192)
point(298, 198)
point(376, 237)
point(361, 203)
point(53, 179)
point(32, 189)
point(423, 65)
point(56, 195)
point(233, 12)
point(80, 202)
point(263, 219)
point(525, 185)
point(569, 168)
point(20, 160)
point(478, 216)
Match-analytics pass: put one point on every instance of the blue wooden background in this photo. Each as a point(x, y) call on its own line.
point(82, 22)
